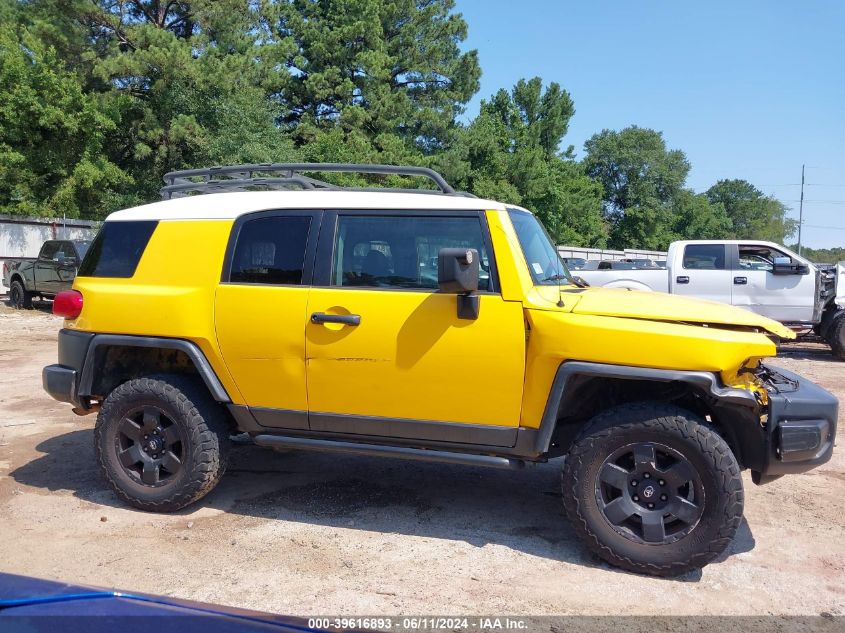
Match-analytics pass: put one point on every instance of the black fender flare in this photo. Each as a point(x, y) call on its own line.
point(204, 368)
point(705, 381)
point(17, 276)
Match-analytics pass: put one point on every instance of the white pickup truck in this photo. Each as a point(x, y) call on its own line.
point(760, 276)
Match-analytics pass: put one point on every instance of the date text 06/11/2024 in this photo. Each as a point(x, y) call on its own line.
point(421, 623)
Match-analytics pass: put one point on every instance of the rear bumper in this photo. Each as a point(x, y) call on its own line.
point(61, 381)
point(801, 427)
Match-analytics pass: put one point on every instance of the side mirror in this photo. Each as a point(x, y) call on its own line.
point(457, 273)
point(785, 266)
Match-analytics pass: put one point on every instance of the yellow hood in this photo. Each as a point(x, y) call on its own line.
point(659, 306)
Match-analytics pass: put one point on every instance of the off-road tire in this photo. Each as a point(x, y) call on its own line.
point(203, 424)
point(19, 297)
point(704, 449)
point(836, 336)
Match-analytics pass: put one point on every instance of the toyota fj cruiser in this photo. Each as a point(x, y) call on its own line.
point(428, 325)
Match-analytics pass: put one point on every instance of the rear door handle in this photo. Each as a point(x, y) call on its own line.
point(682, 279)
point(740, 281)
point(345, 319)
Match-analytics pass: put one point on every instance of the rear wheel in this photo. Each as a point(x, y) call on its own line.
point(161, 442)
point(652, 489)
point(19, 297)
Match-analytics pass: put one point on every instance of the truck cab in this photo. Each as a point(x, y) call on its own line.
point(763, 277)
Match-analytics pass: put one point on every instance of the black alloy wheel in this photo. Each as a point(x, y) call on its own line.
point(162, 441)
point(149, 446)
point(652, 488)
point(650, 493)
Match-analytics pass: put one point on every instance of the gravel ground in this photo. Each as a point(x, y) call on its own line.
point(308, 534)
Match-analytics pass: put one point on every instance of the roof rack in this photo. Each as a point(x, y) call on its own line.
point(289, 175)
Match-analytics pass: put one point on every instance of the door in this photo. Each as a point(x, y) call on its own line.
point(704, 273)
point(260, 313)
point(403, 364)
point(46, 277)
point(789, 298)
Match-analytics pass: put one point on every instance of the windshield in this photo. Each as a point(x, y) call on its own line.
point(544, 262)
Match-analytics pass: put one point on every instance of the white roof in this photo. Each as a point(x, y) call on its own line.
point(226, 206)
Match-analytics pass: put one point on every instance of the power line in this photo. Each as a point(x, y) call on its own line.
point(816, 201)
point(821, 226)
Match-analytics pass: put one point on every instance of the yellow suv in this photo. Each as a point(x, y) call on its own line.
point(427, 325)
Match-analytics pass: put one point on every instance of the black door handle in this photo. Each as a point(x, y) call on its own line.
point(345, 319)
point(740, 281)
point(682, 279)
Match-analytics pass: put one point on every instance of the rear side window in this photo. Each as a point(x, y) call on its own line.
point(271, 250)
point(49, 250)
point(117, 249)
point(704, 257)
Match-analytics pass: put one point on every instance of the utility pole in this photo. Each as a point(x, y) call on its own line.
point(801, 210)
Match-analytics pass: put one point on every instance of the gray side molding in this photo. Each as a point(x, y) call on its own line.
point(704, 381)
point(193, 352)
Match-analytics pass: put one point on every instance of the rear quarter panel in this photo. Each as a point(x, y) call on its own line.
point(171, 293)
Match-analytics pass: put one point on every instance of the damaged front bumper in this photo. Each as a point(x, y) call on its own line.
point(800, 429)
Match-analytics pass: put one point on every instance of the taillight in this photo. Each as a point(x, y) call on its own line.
point(68, 304)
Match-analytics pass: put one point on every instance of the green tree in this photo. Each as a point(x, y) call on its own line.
point(383, 70)
point(754, 215)
point(822, 255)
point(53, 136)
point(642, 180)
point(696, 218)
point(510, 152)
point(186, 82)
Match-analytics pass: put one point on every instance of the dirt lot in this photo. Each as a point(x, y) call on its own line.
point(306, 533)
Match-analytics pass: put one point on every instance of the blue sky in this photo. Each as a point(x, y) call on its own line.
point(747, 89)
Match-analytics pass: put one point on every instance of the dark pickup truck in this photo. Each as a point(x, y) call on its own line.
point(46, 276)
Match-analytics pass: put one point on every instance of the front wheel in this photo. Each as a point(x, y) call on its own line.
point(652, 489)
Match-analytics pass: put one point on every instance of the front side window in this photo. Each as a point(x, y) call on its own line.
point(544, 263)
point(117, 249)
point(401, 251)
point(271, 250)
point(704, 257)
point(759, 257)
